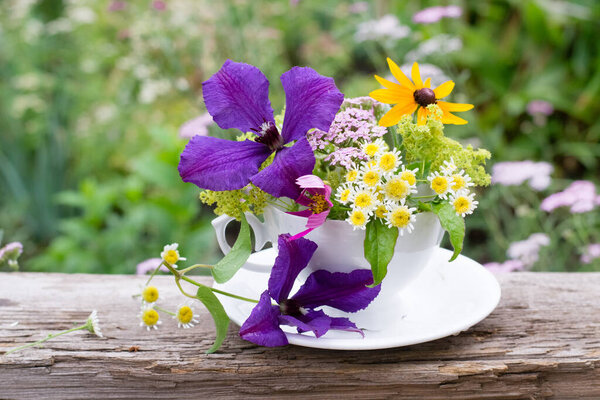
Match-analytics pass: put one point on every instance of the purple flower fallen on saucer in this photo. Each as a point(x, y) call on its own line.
point(237, 96)
point(315, 195)
point(344, 291)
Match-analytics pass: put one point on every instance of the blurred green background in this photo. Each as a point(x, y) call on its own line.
point(92, 95)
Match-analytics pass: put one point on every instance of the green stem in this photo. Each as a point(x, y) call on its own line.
point(154, 272)
point(184, 271)
point(235, 296)
point(165, 311)
point(422, 197)
point(51, 336)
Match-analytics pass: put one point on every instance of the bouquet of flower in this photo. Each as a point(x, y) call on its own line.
point(367, 161)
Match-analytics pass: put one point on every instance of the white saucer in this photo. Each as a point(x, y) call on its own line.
point(446, 299)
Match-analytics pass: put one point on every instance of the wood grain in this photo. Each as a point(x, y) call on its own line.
point(543, 341)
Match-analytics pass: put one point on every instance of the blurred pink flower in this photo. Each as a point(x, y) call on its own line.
point(358, 7)
point(149, 265)
point(540, 107)
point(11, 251)
point(591, 253)
point(435, 14)
point(580, 196)
point(159, 5)
point(117, 5)
point(507, 266)
point(527, 251)
point(196, 126)
point(536, 174)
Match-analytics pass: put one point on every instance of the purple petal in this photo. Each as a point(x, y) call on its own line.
point(344, 291)
point(218, 164)
point(279, 178)
point(344, 324)
point(262, 326)
point(311, 101)
point(237, 96)
point(293, 257)
point(314, 321)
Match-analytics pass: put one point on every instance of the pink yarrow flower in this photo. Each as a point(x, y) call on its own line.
point(528, 251)
point(591, 253)
point(316, 196)
point(196, 126)
point(536, 174)
point(149, 265)
point(506, 266)
point(435, 14)
point(580, 196)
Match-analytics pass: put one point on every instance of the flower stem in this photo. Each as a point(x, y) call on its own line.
point(423, 197)
point(163, 310)
point(235, 296)
point(50, 336)
point(154, 272)
point(183, 271)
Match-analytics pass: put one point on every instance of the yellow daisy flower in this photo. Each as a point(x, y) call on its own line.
point(407, 96)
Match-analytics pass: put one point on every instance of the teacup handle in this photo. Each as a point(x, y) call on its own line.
point(260, 237)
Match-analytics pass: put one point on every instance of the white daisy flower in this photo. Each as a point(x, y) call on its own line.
point(401, 216)
point(375, 148)
point(463, 202)
point(397, 188)
point(365, 199)
point(358, 218)
point(370, 175)
point(93, 324)
point(185, 316)
point(353, 174)
point(460, 181)
point(171, 255)
point(409, 175)
point(149, 294)
point(389, 161)
point(149, 318)
point(344, 194)
point(448, 167)
point(440, 184)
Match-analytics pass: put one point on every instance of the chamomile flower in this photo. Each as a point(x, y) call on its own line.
point(448, 167)
point(372, 149)
point(93, 324)
point(463, 202)
point(185, 316)
point(400, 216)
point(370, 176)
point(397, 188)
point(171, 255)
point(389, 161)
point(149, 294)
point(358, 218)
point(352, 174)
point(364, 199)
point(149, 318)
point(440, 184)
point(343, 194)
point(381, 211)
point(460, 181)
point(409, 175)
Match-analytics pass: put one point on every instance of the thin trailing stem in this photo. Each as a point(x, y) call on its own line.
point(50, 336)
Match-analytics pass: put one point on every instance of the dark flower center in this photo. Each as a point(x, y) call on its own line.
point(270, 137)
point(318, 204)
point(290, 307)
point(424, 97)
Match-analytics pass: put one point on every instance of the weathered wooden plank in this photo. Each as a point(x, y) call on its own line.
point(542, 341)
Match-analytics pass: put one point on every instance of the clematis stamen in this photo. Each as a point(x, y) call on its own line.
point(270, 137)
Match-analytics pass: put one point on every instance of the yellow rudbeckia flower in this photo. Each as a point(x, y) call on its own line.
point(407, 96)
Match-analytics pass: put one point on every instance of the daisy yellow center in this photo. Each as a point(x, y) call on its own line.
point(400, 218)
point(371, 164)
point(150, 317)
point(150, 294)
point(345, 194)
point(439, 184)
point(363, 200)
point(351, 175)
point(409, 177)
point(371, 178)
point(380, 211)
point(185, 315)
point(171, 257)
point(357, 218)
point(458, 182)
point(388, 161)
point(396, 188)
point(318, 204)
point(371, 149)
point(462, 204)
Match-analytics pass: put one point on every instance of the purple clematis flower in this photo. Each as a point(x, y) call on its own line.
point(315, 195)
point(237, 96)
point(345, 291)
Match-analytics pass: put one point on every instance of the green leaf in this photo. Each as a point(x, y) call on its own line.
point(453, 223)
point(380, 242)
point(225, 269)
point(214, 306)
